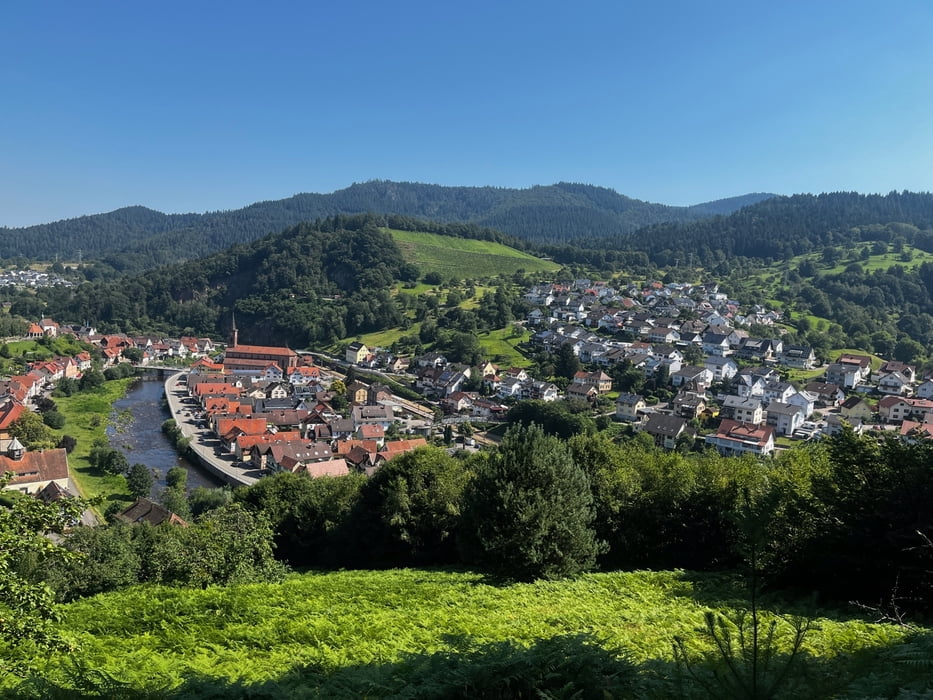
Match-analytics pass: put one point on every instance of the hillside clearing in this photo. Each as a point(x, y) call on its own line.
point(461, 258)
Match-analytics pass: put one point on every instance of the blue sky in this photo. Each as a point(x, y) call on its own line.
point(198, 106)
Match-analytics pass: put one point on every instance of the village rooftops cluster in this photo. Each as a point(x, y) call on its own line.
point(275, 420)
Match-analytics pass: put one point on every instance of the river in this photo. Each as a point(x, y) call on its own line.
point(138, 418)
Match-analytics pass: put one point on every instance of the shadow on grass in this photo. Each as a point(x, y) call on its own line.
point(571, 666)
point(730, 590)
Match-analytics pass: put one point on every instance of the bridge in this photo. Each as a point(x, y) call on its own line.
point(157, 372)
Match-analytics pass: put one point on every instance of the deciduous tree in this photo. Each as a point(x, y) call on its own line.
point(529, 511)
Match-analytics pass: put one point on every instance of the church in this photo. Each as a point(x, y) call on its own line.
point(255, 358)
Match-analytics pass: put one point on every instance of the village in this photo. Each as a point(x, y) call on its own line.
point(696, 342)
point(265, 409)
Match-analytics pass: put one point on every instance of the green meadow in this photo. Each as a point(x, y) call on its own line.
point(86, 420)
point(462, 258)
point(500, 347)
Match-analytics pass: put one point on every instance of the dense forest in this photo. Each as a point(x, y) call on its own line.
point(311, 283)
point(135, 238)
point(782, 227)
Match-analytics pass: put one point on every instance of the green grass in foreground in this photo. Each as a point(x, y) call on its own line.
point(86, 416)
point(387, 633)
point(464, 257)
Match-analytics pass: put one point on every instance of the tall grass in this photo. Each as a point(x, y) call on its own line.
point(391, 633)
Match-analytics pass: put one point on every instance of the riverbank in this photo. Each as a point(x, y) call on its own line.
point(136, 430)
point(203, 445)
point(86, 418)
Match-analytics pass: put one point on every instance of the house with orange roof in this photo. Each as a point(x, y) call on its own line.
point(397, 447)
point(33, 471)
point(10, 411)
point(34, 331)
point(111, 356)
point(736, 438)
point(84, 361)
point(914, 431)
point(332, 467)
point(229, 429)
point(371, 432)
point(49, 327)
point(222, 405)
point(300, 376)
point(203, 389)
point(243, 447)
point(206, 366)
point(25, 386)
point(343, 447)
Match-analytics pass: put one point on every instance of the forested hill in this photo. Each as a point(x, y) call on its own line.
point(775, 229)
point(314, 282)
point(137, 238)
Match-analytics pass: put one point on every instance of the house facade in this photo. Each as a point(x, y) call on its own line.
point(734, 438)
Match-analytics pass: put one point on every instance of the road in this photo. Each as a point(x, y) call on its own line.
point(202, 442)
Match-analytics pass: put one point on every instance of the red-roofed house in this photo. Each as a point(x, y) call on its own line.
point(206, 366)
point(300, 376)
point(229, 429)
point(894, 409)
point(243, 447)
point(49, 327)
point(36, 470)
point(914, 431)
point(10, 411)
point(84, 360)
point(371, 432)
point(735, 438)
point(397, 447)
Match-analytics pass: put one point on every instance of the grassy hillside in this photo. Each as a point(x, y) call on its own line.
point(427, 633)
point(464, 257)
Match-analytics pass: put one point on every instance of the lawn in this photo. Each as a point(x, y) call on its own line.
point(415, 632)
point(500, 347)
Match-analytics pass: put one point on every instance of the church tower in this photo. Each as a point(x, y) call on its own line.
point(235, 332)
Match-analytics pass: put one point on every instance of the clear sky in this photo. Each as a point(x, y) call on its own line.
point(195, 106)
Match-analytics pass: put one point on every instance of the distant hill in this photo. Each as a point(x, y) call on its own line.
point(136, 237)
point(314, 283)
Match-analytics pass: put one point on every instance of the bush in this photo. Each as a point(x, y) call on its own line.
point(54, 419)
point(68, 443)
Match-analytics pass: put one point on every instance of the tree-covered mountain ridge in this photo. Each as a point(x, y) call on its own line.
point(314, 282)
point(137, 237)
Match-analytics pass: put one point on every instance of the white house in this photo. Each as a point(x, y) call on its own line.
point(785, 418)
